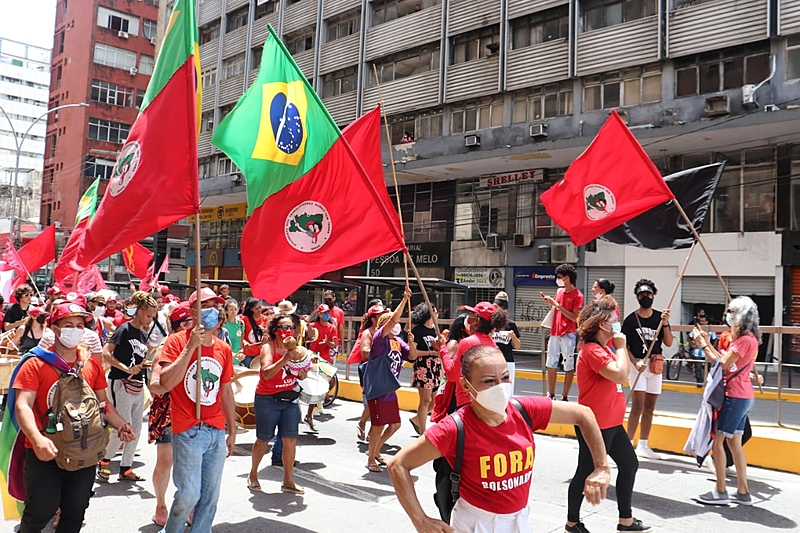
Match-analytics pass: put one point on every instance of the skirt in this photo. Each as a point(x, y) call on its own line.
point(467, 518)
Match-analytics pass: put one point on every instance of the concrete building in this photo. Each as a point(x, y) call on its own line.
point(490, 100)
point(24, 78)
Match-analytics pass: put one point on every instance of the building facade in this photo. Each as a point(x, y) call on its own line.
point(24, 79)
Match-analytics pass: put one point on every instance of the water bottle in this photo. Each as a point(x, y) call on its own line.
point(103, 414)
point(51, 424)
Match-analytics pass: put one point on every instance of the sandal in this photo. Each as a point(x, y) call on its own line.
point(374, 468)
point(380, 460)
point(253, 486)
point(130, 475)
point(103, 472)
point(361, 435)
point(415, 425)
point(291, 489)
point(163, 520)
point(310, 423)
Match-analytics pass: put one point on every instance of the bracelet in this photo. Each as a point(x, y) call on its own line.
point(704, 346)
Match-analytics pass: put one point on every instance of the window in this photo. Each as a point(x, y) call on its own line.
point(266, 7)
point(209, 32)
point(255, 58)
point(387, 10)
point(148, 29)
point(209, 76)
point(204, 168)
point(602, 13)
point(95, 167)
point(114, 57)
point(207, 121)
point(427, 210)
point(405, 64)
point(224, 111)
point(236, 19)
point(548, 101)
point(632, 86)
point(477, 115)
point(343, 25)
point(481, 211)
point(540, 28)
point(300, 40)
point(139, 98)
point(146, 64)
point(151, 2)
point(793, 57)
point(722, 70)
point(233, 66)
point(110, 93)
point(532, 217)
point(117, 23)
point(175, 253)
point(476, 44)
point(225, 166)
point(339, 82)
point(410, 127)
point(103, 130)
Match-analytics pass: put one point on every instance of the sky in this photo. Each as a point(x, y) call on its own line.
point(28, 21)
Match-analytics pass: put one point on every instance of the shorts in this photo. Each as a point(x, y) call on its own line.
point(383, 412)
point(166, 436)
point(564, 347)
point(272, 414)
point(648, 382)
point(732, 416)
point(427, 372)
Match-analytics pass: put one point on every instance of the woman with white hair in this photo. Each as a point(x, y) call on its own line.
point(742, 316)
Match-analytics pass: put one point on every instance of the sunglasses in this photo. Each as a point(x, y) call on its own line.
point(285, 327)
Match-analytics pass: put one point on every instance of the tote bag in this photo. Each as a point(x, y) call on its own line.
point(379, 378)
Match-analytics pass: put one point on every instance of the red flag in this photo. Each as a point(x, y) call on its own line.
point(63, 273)
point(611, 182)
point(90, 280)
point(351, 202)
point(149, 281)
point(154, 182)
point(12, 259)
point(137, 258)
point(40, 251)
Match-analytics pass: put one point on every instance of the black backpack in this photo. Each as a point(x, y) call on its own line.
point(447, 478)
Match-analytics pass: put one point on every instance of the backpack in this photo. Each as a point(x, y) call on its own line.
point(448, 478)
point(76, 422)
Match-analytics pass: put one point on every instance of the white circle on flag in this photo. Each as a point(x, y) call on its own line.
point(125, 167)
point(308, 227)
point(598, 201)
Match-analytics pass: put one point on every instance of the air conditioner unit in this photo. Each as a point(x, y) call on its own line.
point(543, 254)
point(522, 240)
point(563, 252)
point(209, 125)
point(122, 34)
point(718, 106)
point(153, 41)
point(133, 71)
point(538, 130)
point(493, 241)
point(472, 140)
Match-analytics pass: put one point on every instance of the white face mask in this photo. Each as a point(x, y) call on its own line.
point(396, 330)
point(70, 337)
point(560, 282)
point(494, 398)
point(99, 311)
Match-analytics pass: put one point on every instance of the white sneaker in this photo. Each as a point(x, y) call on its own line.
point(646, 451)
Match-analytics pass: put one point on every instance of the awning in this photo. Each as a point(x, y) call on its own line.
point(435, 284)
point(309, 285)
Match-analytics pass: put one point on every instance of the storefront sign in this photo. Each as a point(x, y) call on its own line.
point(480, 278)
point(222, 212)
point(534, 276)
point(433, 254)
point(504, 180)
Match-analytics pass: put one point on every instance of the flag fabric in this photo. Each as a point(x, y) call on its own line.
point(7, 284)
point(11, 258)
point(611, 182)
point(663, 227)
point(314, 208)
point(63, 273)
point(150, 280)
point(154, 180)
point(137, 259)
point(40, 251)
point(90, 280)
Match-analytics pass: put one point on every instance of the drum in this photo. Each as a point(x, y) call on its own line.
point(326, 369)
point(314, 388)
point(244, 397)
point(7, 365)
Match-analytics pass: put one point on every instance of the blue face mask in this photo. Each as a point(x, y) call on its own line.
point(209, 318)
point(616, 327)
point(326, 316)
point(729, 319)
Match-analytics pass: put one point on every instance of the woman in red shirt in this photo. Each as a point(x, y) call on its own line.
point(253, 330)
point(601, 374)
point(497, 462)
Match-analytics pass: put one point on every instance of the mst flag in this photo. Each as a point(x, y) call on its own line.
point(663, 227)
point(154, 181)
point(611, 182)
point(137, 259)
point(63, 273)
point(314, 206)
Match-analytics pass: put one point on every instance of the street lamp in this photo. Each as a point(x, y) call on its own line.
point(18, 142)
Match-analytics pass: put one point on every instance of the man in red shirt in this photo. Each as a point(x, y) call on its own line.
point(198, 442)
point(567, 305)
point(48, 487)
point(337, 315)
point(112, 311)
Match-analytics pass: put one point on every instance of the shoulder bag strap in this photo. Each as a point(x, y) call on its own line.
point(522, 411)
point(455, 475)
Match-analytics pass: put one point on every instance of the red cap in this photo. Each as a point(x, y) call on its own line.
point(164, 290)
point(206, 294)
point(322, 308)
point(36, 311)
point(67, 309)
point(483, 310)
point(180, 312)
point(377, 310)
point(172, 298)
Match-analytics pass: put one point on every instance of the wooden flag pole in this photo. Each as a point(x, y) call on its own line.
point(661, 323)
point(406, 257)
point(197, 309)
point(424, 294)
point(716, 271)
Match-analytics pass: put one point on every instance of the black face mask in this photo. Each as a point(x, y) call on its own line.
point(329, 303)
point(40, 319)
point(646, 302)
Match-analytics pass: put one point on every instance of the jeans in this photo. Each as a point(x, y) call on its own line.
point(47, 487)
point(199, 456)
point(733, 414)
point(277, 448)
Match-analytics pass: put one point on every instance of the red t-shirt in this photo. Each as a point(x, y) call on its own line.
point(325, 331)
point(453, 369)
point(746, 347)
point(337, 316)
point(116, 316)
point(605, 398)
point(250, 337)
point(39, 376)
point(571, 301)
point(217, 369)
point(498, 461)
point(280, 382)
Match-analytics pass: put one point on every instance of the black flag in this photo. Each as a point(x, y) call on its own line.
point(663, 227)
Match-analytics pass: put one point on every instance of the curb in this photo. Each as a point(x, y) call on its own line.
point(770, 447)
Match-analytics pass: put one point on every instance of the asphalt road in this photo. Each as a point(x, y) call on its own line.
point(343, 497)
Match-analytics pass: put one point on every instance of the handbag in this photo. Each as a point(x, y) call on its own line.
point(133, 386)
point(547, 321)
point(379, 379)
point(288, 395)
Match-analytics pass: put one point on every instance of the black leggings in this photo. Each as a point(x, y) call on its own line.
point(619, 447)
